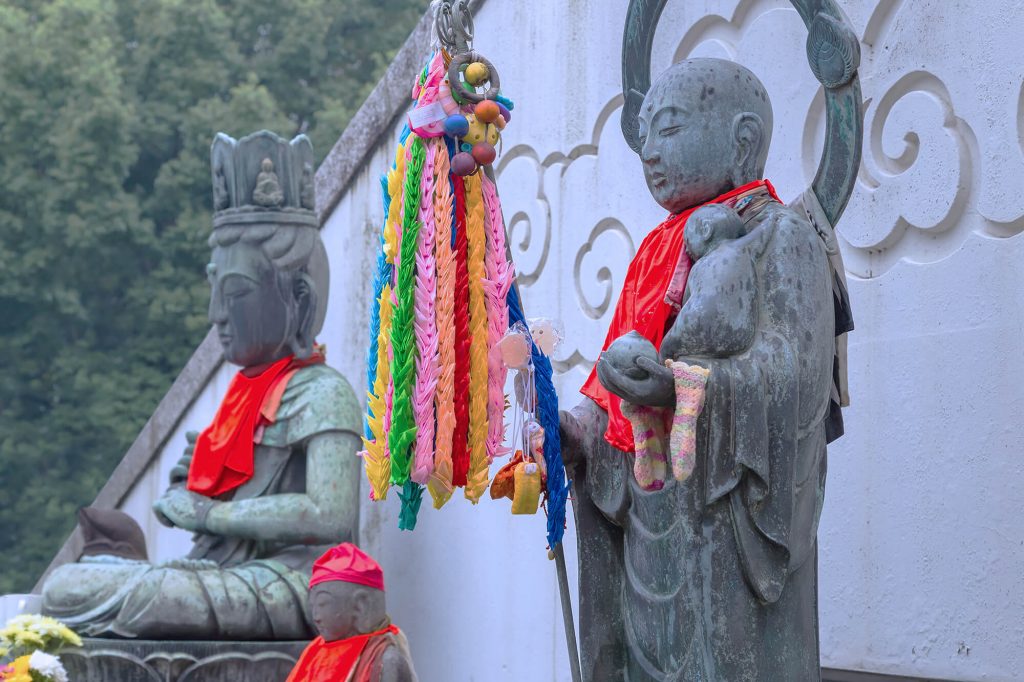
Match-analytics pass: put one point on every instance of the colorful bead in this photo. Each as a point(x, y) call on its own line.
point(487, 111)
point(463, 164)
point(456, 125)
point(477, 130)
point(505, 112)
point(477, 73)
point(484, 153)
point(492, 133)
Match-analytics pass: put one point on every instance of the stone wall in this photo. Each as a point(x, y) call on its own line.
point(921, 542)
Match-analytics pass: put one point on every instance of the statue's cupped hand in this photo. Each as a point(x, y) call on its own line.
point(637, 379)
point(182, 508)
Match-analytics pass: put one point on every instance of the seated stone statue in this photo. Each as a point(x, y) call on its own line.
point(357, 640)
point(268, 190)
point(273, 481)
point(712, 577)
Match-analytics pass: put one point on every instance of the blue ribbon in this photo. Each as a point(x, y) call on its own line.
point(547, 415)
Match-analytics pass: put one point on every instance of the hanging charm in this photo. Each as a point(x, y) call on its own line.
point(435, 389)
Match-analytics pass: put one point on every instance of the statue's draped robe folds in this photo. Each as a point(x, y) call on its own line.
point(227, 587)
point(714, 578)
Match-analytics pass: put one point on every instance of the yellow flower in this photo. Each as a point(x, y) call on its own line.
point(70, 636)
point(26, 637)
point(19, 671)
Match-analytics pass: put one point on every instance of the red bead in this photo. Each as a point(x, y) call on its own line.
point(484, 153)
point(463, 163)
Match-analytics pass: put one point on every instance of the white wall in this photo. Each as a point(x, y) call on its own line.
point(921, 542)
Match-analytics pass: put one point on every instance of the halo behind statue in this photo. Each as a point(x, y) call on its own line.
point(833, 53)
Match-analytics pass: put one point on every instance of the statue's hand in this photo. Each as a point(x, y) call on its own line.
point(179, 474)
point(582, 430)
point(647, 382)
point(572, 437)
point(182, 508)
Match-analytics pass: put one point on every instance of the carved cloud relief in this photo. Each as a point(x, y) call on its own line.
point(943, 152)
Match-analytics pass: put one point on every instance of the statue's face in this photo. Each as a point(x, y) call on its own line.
point(341, 610)
point(709, 226)
point(247, 306)
point(687, 144)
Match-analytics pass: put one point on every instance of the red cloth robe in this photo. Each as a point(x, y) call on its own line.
point(223, 458)
point(656, 275)
point(335, 661)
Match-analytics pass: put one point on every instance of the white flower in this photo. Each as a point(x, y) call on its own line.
point(47, 665)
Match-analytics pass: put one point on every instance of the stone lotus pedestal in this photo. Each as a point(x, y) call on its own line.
point(106, 660)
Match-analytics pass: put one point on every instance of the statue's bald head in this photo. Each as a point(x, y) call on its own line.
point(705, 128)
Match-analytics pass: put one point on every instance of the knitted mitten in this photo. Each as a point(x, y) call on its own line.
point(649, 430)
point(690, 382)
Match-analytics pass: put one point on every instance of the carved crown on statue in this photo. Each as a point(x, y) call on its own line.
point(263, 178)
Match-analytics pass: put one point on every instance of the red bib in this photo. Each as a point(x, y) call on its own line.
point(329, 661)
point(223, 456)
point(644, 305)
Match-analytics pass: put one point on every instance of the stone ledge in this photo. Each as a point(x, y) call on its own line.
point(105, 660)
point(835, 675)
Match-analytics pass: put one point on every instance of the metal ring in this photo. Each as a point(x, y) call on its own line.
point(444, 26)
point(459, 91)
point(453, 24)
point(465, 21)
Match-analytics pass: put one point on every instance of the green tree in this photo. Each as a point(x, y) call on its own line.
point(107, 110)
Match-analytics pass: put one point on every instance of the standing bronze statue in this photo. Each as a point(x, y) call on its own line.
point(274, 480)
point(711, 574)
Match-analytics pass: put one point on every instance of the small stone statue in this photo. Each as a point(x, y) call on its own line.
point(357, 640)
point(711, 575)
point(268, 188)
point(724, 274)
point(274, 480)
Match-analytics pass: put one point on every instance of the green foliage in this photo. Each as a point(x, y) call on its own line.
point(107, 111)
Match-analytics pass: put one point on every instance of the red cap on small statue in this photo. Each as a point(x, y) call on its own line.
point(348, 564)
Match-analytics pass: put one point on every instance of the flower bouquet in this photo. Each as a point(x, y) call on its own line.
point(38, 666)
point(28, 644)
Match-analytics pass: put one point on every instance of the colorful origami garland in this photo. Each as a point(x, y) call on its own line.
point(443, 297)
